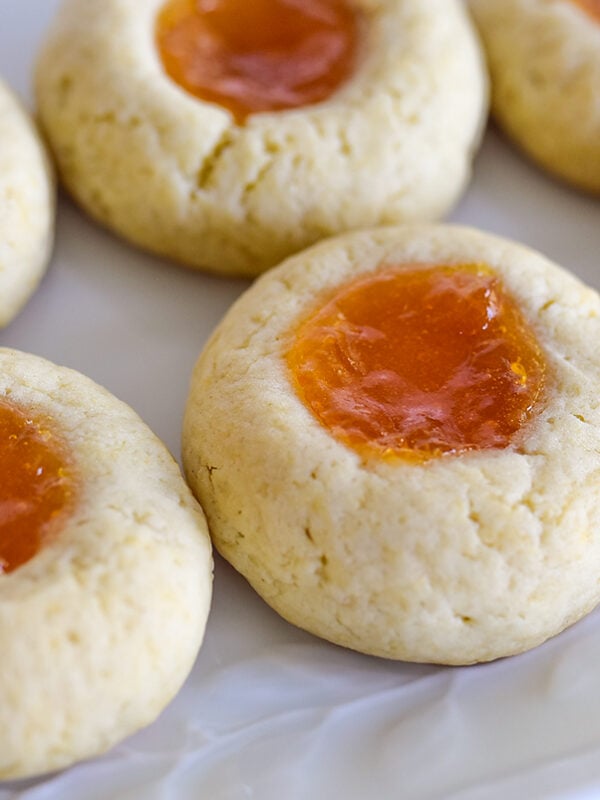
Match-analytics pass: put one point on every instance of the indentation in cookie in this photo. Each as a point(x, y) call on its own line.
point(266, 55)
point(419, 361)
point(38, 485)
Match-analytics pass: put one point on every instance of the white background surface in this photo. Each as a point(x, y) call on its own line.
point(269, 712)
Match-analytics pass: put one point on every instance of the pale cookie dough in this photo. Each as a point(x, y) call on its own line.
point(98, 630)
point(26, 207)
point(544, 60)
point(179, 177)
point(454, 560)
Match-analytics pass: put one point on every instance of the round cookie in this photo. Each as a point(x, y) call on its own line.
point(544, 60)
point(455, 558)
point(26, 207)
point(101, 622)
point(181, 177)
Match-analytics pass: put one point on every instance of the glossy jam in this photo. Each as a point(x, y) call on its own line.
point(591, 6)
point(258, 55)
point(418, 362)
point(36, 485)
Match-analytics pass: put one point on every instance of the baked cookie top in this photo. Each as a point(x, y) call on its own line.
point(26, 207)
point(470, 536)
point(544, 60)
point(105, 569)
point(201, 182)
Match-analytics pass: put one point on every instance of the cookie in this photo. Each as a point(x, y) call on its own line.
point(26, 207)
point(237, 178)
point(105, 569)
point(395, 436)
point(544, 60)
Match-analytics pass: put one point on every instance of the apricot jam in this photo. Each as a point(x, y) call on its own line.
point(419, 361)
point(258, 55)
point(36, 485)
point(591, 6)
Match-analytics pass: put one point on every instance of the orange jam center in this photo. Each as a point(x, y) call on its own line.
point(591, 6)
point(36, 485)
point(258, 55)
point(418, 361)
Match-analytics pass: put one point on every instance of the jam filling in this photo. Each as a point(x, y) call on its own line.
point(258, 55)
point(419, 361)
point(592, 7)
point(36, 485)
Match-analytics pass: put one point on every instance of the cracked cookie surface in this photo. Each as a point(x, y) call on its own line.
point(457, 559)
point(179, 177)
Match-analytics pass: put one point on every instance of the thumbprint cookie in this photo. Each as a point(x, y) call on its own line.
point(544, 60)
point(395, 436)
point(227, 134)
point(105, 569)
